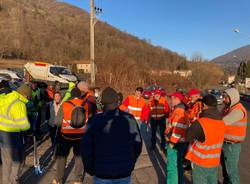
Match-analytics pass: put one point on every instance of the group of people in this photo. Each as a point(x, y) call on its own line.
point(195, 129)
point(104, 131)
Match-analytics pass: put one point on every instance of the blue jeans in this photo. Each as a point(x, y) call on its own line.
point(112, 181)
point(231, 155)
point(202, 175)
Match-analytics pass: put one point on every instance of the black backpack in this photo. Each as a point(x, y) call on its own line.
point(78, 115)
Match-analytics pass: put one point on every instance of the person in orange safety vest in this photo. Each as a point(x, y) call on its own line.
point(135, 105)
point(235, 118)
point(206, 136)
point(195, 105)
point(70, 137)
point(175, 136)
point(158, 112)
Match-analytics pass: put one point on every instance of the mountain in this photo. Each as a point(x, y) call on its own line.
point(232, 60)
point(56, 32)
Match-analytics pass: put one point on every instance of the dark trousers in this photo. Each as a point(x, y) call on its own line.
point(63, 149)
point(155, 123)
point(53, 133)
point(12, 164)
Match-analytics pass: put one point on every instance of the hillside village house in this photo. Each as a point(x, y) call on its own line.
point(83, 66)
point(183, 73)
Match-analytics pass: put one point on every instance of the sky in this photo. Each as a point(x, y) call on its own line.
point(184, 26)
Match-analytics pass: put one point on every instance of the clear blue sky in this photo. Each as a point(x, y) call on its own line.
point(183, 26)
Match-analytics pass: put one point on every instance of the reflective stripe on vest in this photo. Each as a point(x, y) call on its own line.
point(135, 106)
point(206, 147)
point(157, 115)
point(137, 118)
point(178, 125)
point(236, 132)
point(66, 129)
point(234, 138)
point(9, 107)
point(157, 107)
point(203, 156)
point(12, 125)
point(207, 154)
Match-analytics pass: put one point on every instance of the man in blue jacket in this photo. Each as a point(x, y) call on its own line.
point(112, 143)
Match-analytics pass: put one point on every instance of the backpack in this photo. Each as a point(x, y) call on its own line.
point(78, 115)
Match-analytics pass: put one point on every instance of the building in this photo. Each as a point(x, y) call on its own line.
point(83, 66)
point(160, 72)
point(183, 73)
point(231, 79)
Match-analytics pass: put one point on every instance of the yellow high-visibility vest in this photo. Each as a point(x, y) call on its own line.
point(13, 113)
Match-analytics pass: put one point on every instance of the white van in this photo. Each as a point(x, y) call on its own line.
point(46, 72)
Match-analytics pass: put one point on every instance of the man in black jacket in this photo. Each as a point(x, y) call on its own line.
point(112, 143)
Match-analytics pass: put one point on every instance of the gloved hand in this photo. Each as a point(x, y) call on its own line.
point(171, 145)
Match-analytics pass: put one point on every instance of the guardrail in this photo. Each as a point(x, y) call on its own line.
point(245, 97)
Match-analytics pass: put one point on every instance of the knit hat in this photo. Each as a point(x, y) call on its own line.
point(24, 90)
point(75, 93)
point(5, 87)
point(4, 84)
point(177, 95)
point(210, 100)
point(109, 96)
point(194, 92)
point(234, 95)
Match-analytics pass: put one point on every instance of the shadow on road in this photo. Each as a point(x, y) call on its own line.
point(158, 158)
point(155, 156)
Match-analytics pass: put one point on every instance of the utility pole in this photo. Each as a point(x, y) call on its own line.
point(93, 11)
point(92, 41)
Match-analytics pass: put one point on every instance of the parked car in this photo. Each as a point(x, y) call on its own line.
point(218, 94)
point(148, 92)
point(11, 74)
point(13, 85)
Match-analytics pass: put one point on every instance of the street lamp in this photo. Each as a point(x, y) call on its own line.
point(236, 30)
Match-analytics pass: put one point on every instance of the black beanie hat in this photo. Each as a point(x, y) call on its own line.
point(210, 100)
point(4, 84)
point(75, 93)
point(109, 96)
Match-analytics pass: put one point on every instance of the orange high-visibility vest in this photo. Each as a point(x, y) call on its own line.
point(207, 154)
point(237, 131)
point(133, 106)
point(158, 108)
point(194, 111)
point(50, 93)
point(177, 125)
point(67, 131)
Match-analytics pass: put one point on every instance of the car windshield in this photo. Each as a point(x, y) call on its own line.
point(60, 70)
